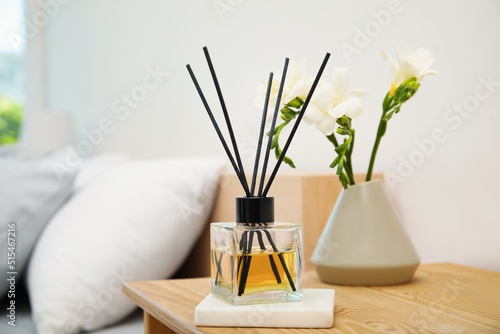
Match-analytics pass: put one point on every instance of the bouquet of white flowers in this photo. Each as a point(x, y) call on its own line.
point(334, 104)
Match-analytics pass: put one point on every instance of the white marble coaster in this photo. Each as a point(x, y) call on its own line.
point(316, 310)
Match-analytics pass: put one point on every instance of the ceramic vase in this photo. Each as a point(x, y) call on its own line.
point(364, 242)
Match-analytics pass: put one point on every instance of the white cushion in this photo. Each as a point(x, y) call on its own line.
point(137, 223)
point(30, 193)
point(96, 167)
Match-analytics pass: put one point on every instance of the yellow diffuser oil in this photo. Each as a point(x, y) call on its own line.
point(266, 272)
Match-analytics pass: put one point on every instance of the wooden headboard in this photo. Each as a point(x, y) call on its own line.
point(305, 199)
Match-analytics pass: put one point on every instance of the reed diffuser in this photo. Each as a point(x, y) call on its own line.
point(254, 259)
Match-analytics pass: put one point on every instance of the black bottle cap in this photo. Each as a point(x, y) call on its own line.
point(253, 210)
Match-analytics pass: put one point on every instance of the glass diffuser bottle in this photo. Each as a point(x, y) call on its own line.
point(255, 260)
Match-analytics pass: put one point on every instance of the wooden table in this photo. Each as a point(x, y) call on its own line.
point(442, 298)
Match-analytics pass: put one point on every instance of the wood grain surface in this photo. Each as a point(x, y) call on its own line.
point(442, 298)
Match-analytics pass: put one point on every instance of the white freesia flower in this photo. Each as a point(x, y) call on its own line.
point(332, 100)
point(297, 84)
point(410, 63)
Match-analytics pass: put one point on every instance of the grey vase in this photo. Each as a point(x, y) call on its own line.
point(364, 242)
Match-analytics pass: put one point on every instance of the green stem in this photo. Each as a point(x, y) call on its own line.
point(348, 171)
point(382, 127)
point(347, 165)
point(390, 106)
point(276, 145)
point(375, 148)
point(333, 139)
point(349, 159)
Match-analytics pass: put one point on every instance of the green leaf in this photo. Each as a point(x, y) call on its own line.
point(288, 161)
point(274, 143)
point(342, 148)
point(340, 166)
point(344, 180)
point(287, 110)
point(388, 116)
point(277, 152)
point(288, 114)
point(336, 161)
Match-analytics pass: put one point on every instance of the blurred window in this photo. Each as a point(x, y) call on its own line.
point(12, 70)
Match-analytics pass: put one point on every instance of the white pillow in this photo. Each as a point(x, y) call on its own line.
point(95, 167)
point(138, 223)
point(30, 193)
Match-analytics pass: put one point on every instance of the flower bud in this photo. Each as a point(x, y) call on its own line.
point(295, 103)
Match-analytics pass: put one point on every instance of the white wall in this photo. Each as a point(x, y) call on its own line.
point(98, 50)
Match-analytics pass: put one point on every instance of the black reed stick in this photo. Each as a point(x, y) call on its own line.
point(226, 117)
point(296, 125)
point(214, 122)
point(243, 246)
point(246, 265)
point(273, 125)
point(271, 259)
point(261, 133)
point(282, 260)
point(213, 256)
point(219, 269)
